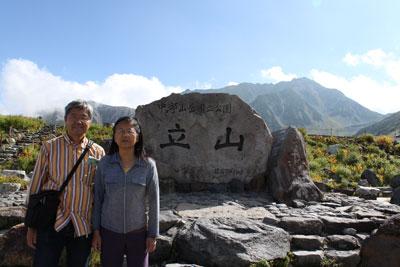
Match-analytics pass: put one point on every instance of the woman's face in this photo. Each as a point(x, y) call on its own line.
point(125, 135)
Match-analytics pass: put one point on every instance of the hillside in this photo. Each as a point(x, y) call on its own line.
point(387, 126)
point(101, 114)
point(303, 103)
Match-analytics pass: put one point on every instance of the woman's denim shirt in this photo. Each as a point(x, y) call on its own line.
point(124, 202)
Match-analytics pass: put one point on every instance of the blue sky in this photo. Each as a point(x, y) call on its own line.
point(133, 52)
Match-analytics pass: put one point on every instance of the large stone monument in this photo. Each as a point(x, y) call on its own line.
point(206, 142)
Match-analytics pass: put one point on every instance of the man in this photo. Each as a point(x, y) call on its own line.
point(72, 228)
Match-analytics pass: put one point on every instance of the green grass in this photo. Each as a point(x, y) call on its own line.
point(11, 179)
point(355, 155)
point(19, 123)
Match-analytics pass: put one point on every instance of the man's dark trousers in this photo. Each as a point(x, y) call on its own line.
point(49, 245)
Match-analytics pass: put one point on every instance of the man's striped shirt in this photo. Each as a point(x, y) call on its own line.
point(54, 162)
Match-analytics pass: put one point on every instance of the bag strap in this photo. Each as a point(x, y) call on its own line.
point(71, 173)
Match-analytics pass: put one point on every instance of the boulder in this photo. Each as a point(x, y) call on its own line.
point(382, 248)
point(13, 248)
point(367, 192)
point(395, 196)
point(288, 177)
point(363, 182)
point(168, 219)
point(164, 250)
point(206, 141)
point(10, 216)
point(371, 177)
point(9, 187)
point(333, 149)
point(230, 242)
point(395, 182)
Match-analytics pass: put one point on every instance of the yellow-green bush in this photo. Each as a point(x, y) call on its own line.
point(13, 179)
point(19, 123)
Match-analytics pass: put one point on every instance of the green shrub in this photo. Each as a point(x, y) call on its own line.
point(372, 149)
point(27, 159)
point(343, 172)
point(98, 132)
point(366, 138)
point(19, 123)
point(353, 158)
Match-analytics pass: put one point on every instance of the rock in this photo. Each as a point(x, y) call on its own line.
point(323, 186)
point(163, 251)
point(348, 258)
point(395, 182)
point(13, 248)
point(168, 219)
point(363, 182)
point(395, 196)
point(342, 242)
point(371, 177)
point(300, 225)
point(350, 231)
point(307, 258)
point(10, 216)
point(230, 242)
point(382, 248)
point(307, 242)
point(167, 186)
point(212, 139)
point(288, 176)
point(333, 149)
point(9, 187)
point(15, 173)
point(336, 225)
point(367, 192)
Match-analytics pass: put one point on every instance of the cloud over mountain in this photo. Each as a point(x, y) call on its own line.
point(25, 88)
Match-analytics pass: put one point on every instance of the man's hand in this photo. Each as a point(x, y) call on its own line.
point(31, 237)
point(151, 244)
point(96, 241)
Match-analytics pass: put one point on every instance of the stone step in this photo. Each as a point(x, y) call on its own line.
point(303, 258)
point(342, 242)
point(307, 242)
point(348, 258)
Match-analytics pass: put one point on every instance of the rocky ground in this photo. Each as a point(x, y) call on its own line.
point(210, 229)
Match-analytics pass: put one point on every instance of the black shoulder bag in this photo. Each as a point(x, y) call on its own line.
point(42, 207)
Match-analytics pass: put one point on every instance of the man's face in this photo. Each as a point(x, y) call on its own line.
point(77, 122)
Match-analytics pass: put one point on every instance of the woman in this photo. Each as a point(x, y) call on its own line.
point(126, 185)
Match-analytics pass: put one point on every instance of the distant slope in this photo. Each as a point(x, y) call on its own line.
point(387, 126)
point(303, 103)
point(101, 114)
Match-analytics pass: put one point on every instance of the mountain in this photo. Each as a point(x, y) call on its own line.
point(303, 103)
point(101, 113)
point(387, 126)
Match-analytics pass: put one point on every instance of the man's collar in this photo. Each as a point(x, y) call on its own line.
point(82, 144)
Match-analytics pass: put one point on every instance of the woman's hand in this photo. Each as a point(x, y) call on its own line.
point(31, 237)
point(151, 243)
point(96, 241)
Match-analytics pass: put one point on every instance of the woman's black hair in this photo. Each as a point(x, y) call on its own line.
point(139, 147)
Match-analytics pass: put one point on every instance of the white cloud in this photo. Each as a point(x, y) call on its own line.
point(232, 83)
point(380, 96)
point(276, 74)
point(379, 59)
point(26, 89)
